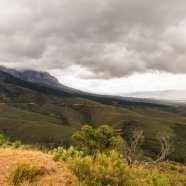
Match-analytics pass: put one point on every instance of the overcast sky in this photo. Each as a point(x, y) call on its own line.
point(107, 46)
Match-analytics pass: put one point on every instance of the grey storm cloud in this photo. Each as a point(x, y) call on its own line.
point(109, 38)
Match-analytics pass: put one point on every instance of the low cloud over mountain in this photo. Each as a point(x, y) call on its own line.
point(176, 95)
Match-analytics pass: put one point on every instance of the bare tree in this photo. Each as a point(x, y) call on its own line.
point(131, 149)
point(166, 146)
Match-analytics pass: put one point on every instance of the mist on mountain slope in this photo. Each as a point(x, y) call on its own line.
point(172, 95)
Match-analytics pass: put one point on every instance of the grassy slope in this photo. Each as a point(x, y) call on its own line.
point(58, 174)
point(32, 127)
point(56, 122)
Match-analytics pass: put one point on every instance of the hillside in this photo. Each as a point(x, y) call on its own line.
point(56, 173)
point(43, 115)
point(24, 165)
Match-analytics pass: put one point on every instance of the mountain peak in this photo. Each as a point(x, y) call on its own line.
point(31, 75)
point(39, 77)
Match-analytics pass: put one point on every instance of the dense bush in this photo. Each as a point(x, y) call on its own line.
point(97, 162)
point(92, 141)
point(61, 153)
point(103, 170)
point(25, 172)
point(156, 179)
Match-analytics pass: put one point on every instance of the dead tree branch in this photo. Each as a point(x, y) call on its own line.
point(165, 146)
point(131, 150)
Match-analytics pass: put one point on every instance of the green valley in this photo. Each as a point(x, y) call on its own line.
point(37, 114)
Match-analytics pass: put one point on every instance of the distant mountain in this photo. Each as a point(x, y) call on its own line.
point(31, 75)
point(47, 84)
point(13, 89)
point(38, 77)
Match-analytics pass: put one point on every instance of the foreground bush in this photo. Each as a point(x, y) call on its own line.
point(105, 169)
point(157, 179)
point(25, 172)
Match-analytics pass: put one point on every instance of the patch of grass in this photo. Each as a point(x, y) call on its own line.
point(18, 114)
point(55, 173)
point(37, 133)
point(25, 172)
point(68, 115)
point(17, 144)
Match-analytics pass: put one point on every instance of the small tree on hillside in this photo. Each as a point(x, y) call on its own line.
point(91, 140)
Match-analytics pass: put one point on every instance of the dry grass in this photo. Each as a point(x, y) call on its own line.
point(57, 172)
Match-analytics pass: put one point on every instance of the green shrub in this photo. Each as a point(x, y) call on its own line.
point(61, 153)
point(17, 144)
point(92, 141)
point(82, 168)
point(157, 179)
point(25, 172)
point(103, 170)
point(3, 140)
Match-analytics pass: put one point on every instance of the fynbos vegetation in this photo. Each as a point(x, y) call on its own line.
point(100, 157)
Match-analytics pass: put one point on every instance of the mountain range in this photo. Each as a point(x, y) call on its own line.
point(46, 81)
point(37, 109)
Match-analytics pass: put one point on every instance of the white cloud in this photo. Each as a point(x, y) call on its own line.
point(121, 86)
point(108, 39)
point(111, 38)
